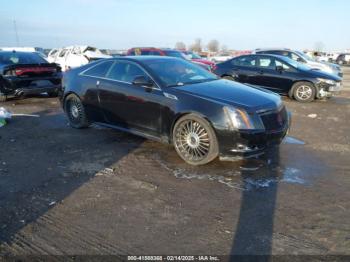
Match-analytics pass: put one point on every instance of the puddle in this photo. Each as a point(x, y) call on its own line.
point(293, 175)
point(242, 175)
point(292, 140)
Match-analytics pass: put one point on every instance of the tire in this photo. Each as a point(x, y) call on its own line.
point(228, 78)
point(52, 94)
point(304, 92)
point(195, 140)
point(75, 112)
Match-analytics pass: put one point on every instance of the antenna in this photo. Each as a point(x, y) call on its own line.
point(15, 27)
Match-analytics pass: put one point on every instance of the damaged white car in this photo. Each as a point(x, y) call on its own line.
point(75, 56)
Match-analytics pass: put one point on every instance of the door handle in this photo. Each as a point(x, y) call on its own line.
point(261, 72)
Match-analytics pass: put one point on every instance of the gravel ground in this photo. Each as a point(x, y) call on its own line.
point(100, 191)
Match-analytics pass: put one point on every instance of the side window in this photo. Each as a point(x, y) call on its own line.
point(294, 57)
point(244, 61)
point(266, 62)
point(62, 53)
point(285, 66)
point(53, 52)
point(99, 70)
point(124, 71)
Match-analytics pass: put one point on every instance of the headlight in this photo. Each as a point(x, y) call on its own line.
point(327, 81)
point(238, 118)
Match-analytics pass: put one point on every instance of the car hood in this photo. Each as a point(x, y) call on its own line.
point(319, 65)
point(318, 73)
point(233, 93)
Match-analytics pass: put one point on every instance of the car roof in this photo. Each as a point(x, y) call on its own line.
point(272, 49)
point(18, 52)
point(142, 58)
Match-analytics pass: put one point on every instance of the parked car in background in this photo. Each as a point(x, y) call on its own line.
point(221, 57)
point(23, 73)
point(141, 51)
point(343, 59)
point(281, 75)
point(75, 56)
point(305, 59)
point(39, 50)
point(196, 58)
point(202, 116)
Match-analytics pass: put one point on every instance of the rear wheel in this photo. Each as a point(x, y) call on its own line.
point(304, 91)
point(75, 112)
point(195, 140)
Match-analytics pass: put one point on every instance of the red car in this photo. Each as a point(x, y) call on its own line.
point(194, 57)
point(167, 52)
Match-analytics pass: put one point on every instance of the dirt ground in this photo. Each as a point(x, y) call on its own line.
point(101, 191)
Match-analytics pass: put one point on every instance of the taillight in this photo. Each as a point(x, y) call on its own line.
point(31, 70)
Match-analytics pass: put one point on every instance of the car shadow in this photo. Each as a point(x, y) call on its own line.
point(43, 160)
point(254, 229)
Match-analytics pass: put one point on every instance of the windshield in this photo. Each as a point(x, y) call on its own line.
point(10, 58)
point(194, 55)
point(175, 53)
point(305, 56)
point(295, 64)
point(178, 72)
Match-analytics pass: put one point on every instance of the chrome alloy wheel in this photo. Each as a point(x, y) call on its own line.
point(192, 140)
point(74, 110)
point(304, 92)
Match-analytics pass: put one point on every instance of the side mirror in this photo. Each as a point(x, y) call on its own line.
point(300, 60)
point(143, 81)
point(279, 69)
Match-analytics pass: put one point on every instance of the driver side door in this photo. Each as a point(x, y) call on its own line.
point(127, 105)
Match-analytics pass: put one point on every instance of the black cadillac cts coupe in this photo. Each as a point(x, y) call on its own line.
point(174, 101)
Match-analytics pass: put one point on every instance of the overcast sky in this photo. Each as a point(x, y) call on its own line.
point(121, 24)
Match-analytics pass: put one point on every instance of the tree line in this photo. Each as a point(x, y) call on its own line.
point(197, 46)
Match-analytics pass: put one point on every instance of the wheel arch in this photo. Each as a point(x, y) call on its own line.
point(65, 96)
point(291, 90)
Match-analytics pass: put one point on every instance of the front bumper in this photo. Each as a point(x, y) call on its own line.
point(326, 90)
point(248, 144)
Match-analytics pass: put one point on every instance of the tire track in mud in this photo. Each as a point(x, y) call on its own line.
point(283, 241)
point(65, 236)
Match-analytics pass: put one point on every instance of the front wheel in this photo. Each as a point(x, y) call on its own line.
point(304, 91)
point(75, 111)
point(195, 140)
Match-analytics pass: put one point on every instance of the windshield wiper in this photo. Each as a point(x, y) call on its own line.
point(176, 84)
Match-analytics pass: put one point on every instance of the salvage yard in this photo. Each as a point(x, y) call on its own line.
point(101, 191)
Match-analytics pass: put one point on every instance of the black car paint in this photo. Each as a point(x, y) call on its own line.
point(152, 112)
point(13, 85)
point(279, 81)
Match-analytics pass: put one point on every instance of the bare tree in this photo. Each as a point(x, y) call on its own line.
point(213, 45)
point(180, 46)
point(197, 45)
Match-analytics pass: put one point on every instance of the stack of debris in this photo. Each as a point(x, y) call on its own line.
point(4, 115)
